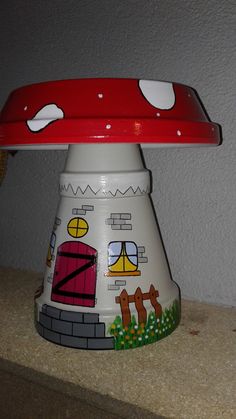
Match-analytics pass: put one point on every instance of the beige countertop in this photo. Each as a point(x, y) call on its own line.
point(190, 374)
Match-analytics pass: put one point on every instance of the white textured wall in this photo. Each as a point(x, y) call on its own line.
point(187, 41)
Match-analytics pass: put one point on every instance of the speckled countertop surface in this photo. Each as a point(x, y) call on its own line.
point(190, 374)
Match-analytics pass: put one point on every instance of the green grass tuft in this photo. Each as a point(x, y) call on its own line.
point(139, 334)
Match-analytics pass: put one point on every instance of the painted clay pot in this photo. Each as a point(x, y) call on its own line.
point(107, 283)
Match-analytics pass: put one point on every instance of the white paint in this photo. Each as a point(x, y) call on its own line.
point(103, 158)
point(45, 116)
point(158, 93)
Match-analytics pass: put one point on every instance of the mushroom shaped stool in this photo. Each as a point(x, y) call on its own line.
point(107, 283)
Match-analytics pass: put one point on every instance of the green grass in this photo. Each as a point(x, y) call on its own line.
point(139, 334)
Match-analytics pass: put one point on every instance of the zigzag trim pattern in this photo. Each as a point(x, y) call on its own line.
point(88, 191)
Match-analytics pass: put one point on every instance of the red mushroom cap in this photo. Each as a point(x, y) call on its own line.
point(55, 114)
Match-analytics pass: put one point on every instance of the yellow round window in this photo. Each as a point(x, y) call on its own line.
point(77, 227)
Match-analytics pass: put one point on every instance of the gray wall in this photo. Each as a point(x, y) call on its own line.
point(194, 191)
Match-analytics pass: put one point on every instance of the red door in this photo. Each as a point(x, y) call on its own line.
point(74, 280)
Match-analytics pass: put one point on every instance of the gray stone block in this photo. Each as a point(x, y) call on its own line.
point(84, 330)
point(91, 318)
point(44, 308)
point(77, 211)
point(125, 216)
point(120, 222)
point(61, 326)
point(39, 328)
point(99, 343)
point(53, 312)
point(143, 260)
point(141, 249)
point(74, 342)
point(116, 227)
point(126, 227)
point(45, 320)
point(52, 336)
point(109, 221)
point(100, 330)
point(115, 215)
point(72, 316)
point(120, 282)
point(88, 207)
point(112, 287)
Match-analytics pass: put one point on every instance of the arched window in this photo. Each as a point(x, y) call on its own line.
point(122, 259)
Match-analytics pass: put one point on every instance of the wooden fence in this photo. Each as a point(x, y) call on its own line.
point(137, 298)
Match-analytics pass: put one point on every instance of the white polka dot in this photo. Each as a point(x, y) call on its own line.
point(179, 132)
point(158, 93)
point(108, 126)
point(100, 95)
point(158, 114)
point(25, 108)
point(45, 116)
